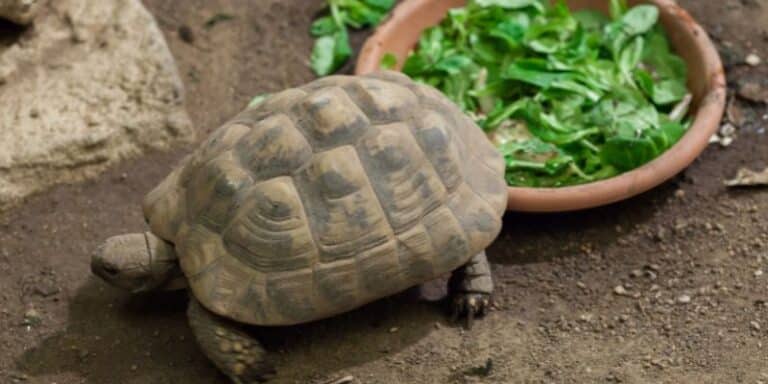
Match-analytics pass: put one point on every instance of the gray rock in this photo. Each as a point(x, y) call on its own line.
point(92, 84)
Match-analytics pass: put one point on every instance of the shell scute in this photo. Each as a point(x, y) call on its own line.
point(211, 190)
point(344, 212)
point(165, 206)
point(269, 231)
point(478, 220)
point(380, 272)
point(415, 251)
point(292, 293)
point(337, 282)
point(274, 147)
point(441, 148)
point(450, 244)
point(330, 118)
point(382, 101)
point(404, 181)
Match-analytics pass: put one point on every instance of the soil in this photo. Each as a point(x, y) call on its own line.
point(668, 287)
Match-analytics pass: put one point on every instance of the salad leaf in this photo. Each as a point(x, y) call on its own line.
point(330, 52)
point(567, 97)
point(512, 4)
point(389, 61)
point(331, 49)
point(323, 26)
point(640, 19)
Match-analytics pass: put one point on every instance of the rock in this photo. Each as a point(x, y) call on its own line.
point(32, 317)
point(683, 299)
point(734, 113)
point(749, 178)
point(752, 60)
point(18, 377)
point(92, 84)
point(754, 325)
point(46, 289)
point(480, 370)
point(727, 130)
point(752, 90)
point(343, 380)
point(19, 11)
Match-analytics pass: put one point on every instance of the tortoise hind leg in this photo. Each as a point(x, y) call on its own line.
point(236, 353)
point(470, 288)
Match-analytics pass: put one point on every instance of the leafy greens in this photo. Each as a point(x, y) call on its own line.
point(567, 97)
point(332, 47)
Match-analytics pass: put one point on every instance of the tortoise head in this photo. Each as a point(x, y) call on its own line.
point(136, 262)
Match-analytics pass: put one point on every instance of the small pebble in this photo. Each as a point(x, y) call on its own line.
point(758, 273)
point(394, 329)
point(754, 325)
point(727, 130)
point(683, 299)
point(32, 317)
point(753, 60)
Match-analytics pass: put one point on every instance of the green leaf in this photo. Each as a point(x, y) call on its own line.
point(330, 53)
point(511, 31)
point(525, 71)
point(258, 99)
point(323, 26)
point(384, 5)
point(511, 4)
point(618, 8)
point(630, 58)
point(454, 64)
point(388, 61)
point(668, 92)
point(627, 153)
point(591, 21)
point(360, 15)
point(640, 19)
point(644, 81)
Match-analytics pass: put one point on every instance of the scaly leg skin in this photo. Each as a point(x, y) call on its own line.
point(470, 288)
point(232, 350)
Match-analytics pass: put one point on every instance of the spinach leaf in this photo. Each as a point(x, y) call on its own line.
point(512, 4)
point(331, 49)
point(389, 61)
point(568, 98)
point(640, 19)
point(323, 26)
point(330, 52)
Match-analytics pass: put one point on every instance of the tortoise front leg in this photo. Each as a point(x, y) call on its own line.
point(236, 353)
point(470, 288)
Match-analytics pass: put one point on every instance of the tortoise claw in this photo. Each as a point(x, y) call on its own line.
point(469, 305)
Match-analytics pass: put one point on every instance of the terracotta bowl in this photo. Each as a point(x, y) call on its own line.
point(706, 81)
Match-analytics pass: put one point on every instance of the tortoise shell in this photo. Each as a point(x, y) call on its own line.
point(329, 196)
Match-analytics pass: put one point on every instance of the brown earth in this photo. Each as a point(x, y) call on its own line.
point(667, 287)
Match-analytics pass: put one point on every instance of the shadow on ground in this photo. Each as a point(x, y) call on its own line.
point(312, 350)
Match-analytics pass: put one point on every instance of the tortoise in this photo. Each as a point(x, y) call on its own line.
point(317, 201)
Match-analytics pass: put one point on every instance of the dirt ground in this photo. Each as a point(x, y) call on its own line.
point(668, 287)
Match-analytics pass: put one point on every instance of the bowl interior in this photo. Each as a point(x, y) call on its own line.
point(706, 83)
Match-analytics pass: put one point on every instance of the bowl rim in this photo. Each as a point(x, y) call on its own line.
point(706, 121)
